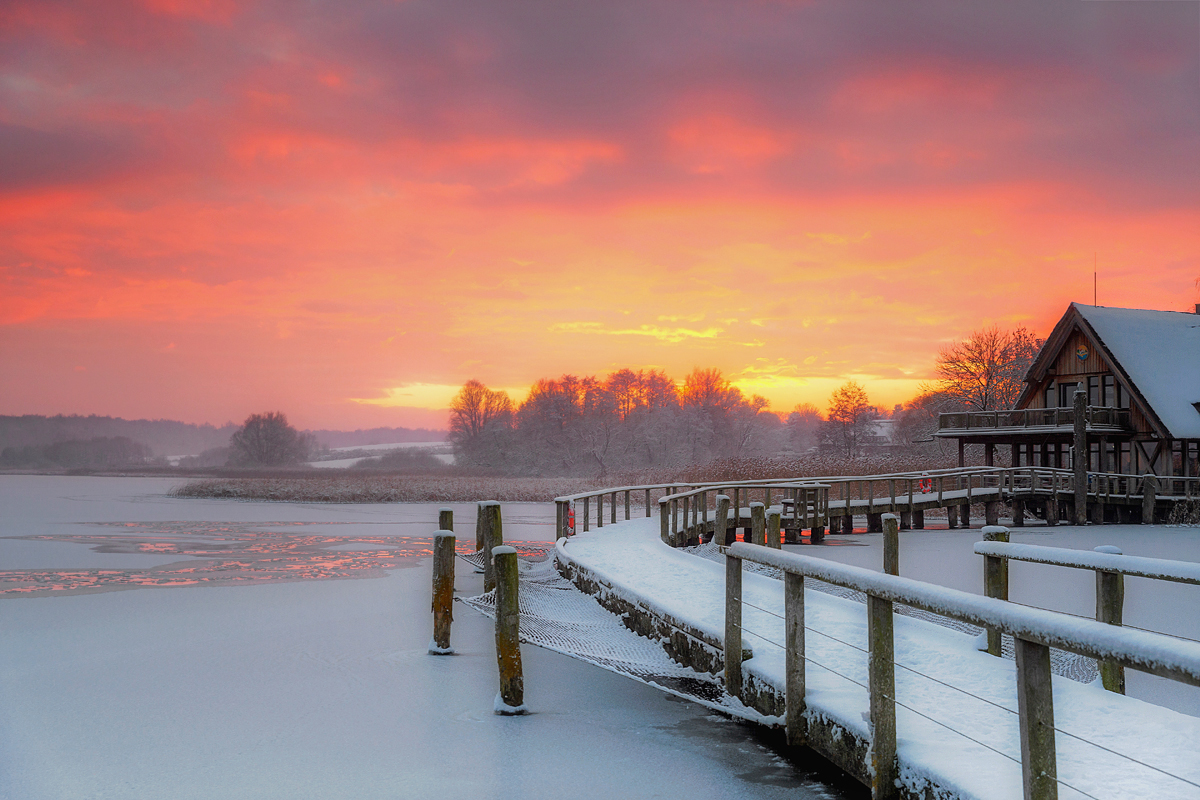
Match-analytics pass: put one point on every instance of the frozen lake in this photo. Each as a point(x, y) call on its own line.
point(262, 680)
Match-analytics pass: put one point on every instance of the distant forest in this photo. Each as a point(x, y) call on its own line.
point(41, 442)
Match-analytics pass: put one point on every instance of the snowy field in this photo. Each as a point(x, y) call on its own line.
point(295, 687)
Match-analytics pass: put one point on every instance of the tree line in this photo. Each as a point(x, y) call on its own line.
point(637, 420)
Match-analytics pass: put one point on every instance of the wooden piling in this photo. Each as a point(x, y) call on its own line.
point(995, 580)
point(918, 519)
point(1051, 511)
point(847, 522)
point(478, 527)
point(664, 521)
point(905, 520)
point(733, 625)
point(795, 725)
point(875, 523)
point(1035, 707)
point(446, 519)
point(1018, 513)
point(1149, 497)
point(493, 537)
point(991, 512)
point(443, 592)
point(881, 673)
point(951, 516)
point(773, 522)
point(758, 523)
point(891, 544)
point(511, 699)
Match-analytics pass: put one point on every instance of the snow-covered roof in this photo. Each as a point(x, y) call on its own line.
point(1160, 352)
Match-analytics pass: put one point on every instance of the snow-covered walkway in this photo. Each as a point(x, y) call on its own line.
point(957, 721)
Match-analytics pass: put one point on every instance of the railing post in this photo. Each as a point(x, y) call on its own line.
point(675, 521)
point(1110, 604)
point(995, 580)
point(794, 723)
point(1149, 497)
point(560, 519)
point(773, 523)
point(685, 533)
point(626, 504)
point(733, 625)
point(891, 544)
point(1080, 460)
point(758, 523)
point(882, 682)
point(613, 507)
point(721, 524)
point(586, 500)
point(647, 502)
point(1035, 707)
point(600, 510)
point(664, 520)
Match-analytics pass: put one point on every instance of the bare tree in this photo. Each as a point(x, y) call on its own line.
point(985, 371)
point(267, 440)
point(804, 427)
point(850, 411)
point(480, 419)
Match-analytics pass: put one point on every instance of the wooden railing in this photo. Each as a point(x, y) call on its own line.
point(684, 516)
point(1034, 631)
point(1097, 417)
point(1110, 566)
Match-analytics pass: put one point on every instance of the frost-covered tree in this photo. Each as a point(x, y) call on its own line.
point(850, 411)
point(480, 425)
point(985, 371)
point(267, 440)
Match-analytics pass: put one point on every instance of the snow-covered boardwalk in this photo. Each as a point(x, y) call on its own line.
point(957, 723)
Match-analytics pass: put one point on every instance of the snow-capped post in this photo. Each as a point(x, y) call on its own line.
point(794, 723)
point(446, 519)
point(493, 537)
point(995, 580)
point(891, 544)
point(1079, 457)
point(443, 592)
point(1035, 708)
point(758, 523)
point(773, 520)
point(1110, 604)
point(721, 526)
point(510, 700)
point(733, 625)
point(881, 678)
point(479, 526)
point(1149, 492)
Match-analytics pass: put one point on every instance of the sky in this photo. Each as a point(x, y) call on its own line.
point(211, 208)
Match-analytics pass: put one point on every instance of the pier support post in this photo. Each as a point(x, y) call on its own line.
point(952, 517)
point(1110, 603)
point(1035, 706)
point(773, 521)
point(560, 519)
point(874, 523)
point(443, 592)
point(1051, 511)
point(918, 519)
point(758, 523)
point(1149, 497)
point(881, 670)
point(478, 527)
point(847, 523)
point(964, 514)
point(995, 580)
point(816, 534)
point(1018, 513)
point(905, 520)
point(891, 544)
point(794, 723)
point(991, 512)
point(733, 625)
point(493, 537)
point(1079, 457)
point(511, 699)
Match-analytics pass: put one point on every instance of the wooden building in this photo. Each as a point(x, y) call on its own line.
point(1141, 372)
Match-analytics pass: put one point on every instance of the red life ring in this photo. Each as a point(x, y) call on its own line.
point(571, 520)
point(925, 485)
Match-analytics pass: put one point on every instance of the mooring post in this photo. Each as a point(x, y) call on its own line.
point(733, 625)
point(510, 700)
point(1110, 603)
point(1149, 497)
point(951, 516)
point(1035, 708)
point(991, 513)
point(773, 523)
point(758, 523)
point(1079, 456)
point(721, 525)
point(443, 592)
point(493, 537)
point(995, 579)
point(1018, 513)
point(446, 519)
point(891, 544)
point(881, 669)
point(794, 723)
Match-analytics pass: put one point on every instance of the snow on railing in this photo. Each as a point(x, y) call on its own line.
point(1157, 568)
point(1034, 631)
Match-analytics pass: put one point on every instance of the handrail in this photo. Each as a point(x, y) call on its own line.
point(1162, 569)
point(1154, 653)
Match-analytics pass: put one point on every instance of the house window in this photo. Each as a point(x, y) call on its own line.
point(1066, 394)
point(1093, 390)
point(1110, 392)
point(1050, 395)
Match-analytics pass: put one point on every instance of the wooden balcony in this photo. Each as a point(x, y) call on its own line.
point(1025, 423)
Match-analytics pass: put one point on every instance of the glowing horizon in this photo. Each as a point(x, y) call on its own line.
point(211, 208)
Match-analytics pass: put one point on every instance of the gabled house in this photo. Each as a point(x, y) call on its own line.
point(1141, 372)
